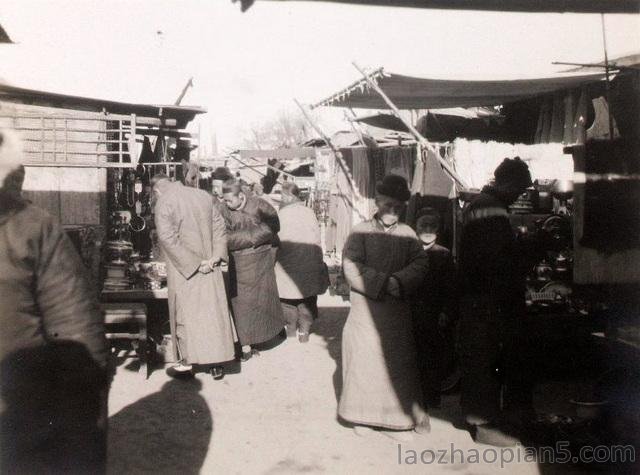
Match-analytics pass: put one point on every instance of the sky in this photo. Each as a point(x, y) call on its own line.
point(248, 67)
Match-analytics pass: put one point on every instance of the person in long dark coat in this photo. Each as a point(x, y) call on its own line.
point(192, 237)
point(492, 304)
point(435, 308)
point(384, 264)
point(252, 229)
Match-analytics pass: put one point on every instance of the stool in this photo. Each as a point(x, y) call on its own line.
point(133, 314)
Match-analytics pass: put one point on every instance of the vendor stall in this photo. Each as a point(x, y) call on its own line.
point(88, 162)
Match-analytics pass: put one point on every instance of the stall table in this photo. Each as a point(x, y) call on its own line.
point(156, 302)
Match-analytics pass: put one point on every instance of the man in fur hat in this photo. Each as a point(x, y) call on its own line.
point(492, 303)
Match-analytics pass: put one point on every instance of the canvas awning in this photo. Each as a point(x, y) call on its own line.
point(578, 6)
point(391, 122)
point(421, 93)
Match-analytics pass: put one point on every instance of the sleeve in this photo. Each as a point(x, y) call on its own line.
point(411, 277)
point(269, 216)
point(362, 278)
point(168, 229)
point(64, 293)
point(253, 235)
point(219, 235)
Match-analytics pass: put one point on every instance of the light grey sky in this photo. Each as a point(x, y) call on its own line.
point(248, 67)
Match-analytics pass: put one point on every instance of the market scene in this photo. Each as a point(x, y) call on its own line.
point(279, 237)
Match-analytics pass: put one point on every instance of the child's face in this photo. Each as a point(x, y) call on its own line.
point(427, 238)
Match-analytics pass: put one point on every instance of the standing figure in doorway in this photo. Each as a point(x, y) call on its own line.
point(252, 228)
point(385, 265)
point(300, 270)
point(192, 237)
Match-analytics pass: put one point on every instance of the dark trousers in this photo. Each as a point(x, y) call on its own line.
point(299, 314)
point(431, 346)
point(494, 360)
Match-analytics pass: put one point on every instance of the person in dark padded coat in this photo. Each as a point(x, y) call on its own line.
point(435, 308)
point(492, 286)
point(53, 351)
point(252, 235)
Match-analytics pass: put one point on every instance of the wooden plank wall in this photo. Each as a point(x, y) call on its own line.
point(76, 196)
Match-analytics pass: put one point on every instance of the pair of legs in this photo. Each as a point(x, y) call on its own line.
point(496, 371)
point(182, 369)
point(431, 346)
point(299, 315)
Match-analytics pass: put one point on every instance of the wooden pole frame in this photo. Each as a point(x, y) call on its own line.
point(424, 143)
point(336, 152)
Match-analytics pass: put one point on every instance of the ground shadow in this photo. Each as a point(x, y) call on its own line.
point(329, 326)
point(166, 432)
point(54, 410)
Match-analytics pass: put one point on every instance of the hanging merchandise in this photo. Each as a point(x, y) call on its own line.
point(599, 130)
point(399, 161)
point(160, 149)
point(363, 205)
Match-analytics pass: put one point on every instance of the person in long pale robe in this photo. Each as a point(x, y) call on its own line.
point(301, 273)
point(192, 237)
point(384, 264)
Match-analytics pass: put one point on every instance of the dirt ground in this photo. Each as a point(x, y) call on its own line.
point(277, 415)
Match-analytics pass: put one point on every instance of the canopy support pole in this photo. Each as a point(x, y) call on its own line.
point(607, 79)
point(424, 143)
point(336, 152)
point(355, 128)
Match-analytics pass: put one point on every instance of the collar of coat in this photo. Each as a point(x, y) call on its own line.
point(295, 202)
point(382, 227)
point(10, 204)
point(244, 202)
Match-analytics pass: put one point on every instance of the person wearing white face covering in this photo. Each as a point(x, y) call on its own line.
point(435, 307)
point(385, 265)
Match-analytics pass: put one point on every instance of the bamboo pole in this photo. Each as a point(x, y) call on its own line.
point(336, 152)
point(282, 172)
point(250, 167)
point(424, 143)
point(357, 130)
point(607, 78)
point(339, 159)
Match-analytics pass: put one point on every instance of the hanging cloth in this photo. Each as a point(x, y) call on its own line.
point(569, 113)
point(146, 156)
point(556, 132)
point(599, 130)
point(580, 119)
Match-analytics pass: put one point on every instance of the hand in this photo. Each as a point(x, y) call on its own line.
point(214, 261)
point(204, 268)
point(393, 287)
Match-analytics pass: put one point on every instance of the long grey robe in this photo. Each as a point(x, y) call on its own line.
point(300, 269)
point(190, 230)
point(381, 385)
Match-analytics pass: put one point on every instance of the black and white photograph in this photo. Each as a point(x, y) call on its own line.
point(265, 237)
